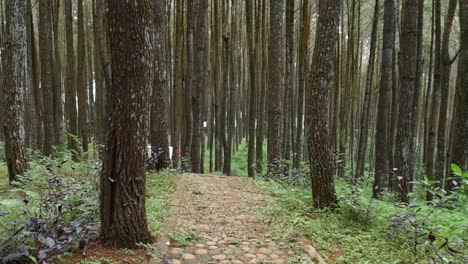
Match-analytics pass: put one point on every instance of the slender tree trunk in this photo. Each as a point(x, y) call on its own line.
point(252, 87)
point(57, 74)
point(303, 70)
point(81, 88)
point(446, 65)
point(70, 91)
point(364, 131)
point(188, 111)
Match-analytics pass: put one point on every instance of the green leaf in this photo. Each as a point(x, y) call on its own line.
point(456, 169)
point(11, 203)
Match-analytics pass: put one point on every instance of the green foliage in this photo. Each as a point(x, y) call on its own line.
point(182, 239)
point(360, 230)
point(160, 187)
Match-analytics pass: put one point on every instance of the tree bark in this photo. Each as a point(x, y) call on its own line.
point(381, 173)
point(200, 38)
point(123, 180)
point(159, 114)
point(45, 53)
point(364, 131)
point(275, 81)
point(14, 87)
point(321, 157)
point(81, 87)
point(408, 50)
point(70, 91)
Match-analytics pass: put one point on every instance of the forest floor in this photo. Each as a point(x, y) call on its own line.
point(218, 219)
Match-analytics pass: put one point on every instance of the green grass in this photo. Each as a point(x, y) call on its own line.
point(159, 190)
point(345, 238)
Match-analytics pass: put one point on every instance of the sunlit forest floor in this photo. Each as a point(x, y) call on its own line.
point(58, 194)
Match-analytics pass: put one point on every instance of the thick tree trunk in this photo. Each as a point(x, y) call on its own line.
point(45, 53)
point(317, 93)
point(408, 50)
point(14, 87)
point(123, 181)
point(275, 80)
point(381, 173)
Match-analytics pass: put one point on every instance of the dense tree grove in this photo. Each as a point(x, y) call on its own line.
point(356, 90)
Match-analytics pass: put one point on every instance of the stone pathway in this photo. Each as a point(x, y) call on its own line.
point(222, 214)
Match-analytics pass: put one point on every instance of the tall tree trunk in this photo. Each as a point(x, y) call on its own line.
point(364, 131)
point(13, 87)
point(381, 173)
point(57, 74)
point(252, 87)
point(275, 81)
point(70, 91)
point(81, 87)
point(408, 50)
point(200, 38)
point(36, 75)
point(123, 181)
point(415, 106)
point(446, 65)
point(159, 114)
point(460, 129)
point(188, 113)
point(47, 88)
point(321, 72)
point(303, 66)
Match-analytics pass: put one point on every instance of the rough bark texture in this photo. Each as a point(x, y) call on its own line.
point(123, 180)
point(70, 91)
point(45, 51)
point(317, 93)
point(275, 83)
point(408, 51)
point(14, 87)
point(159, 114)
point(381, 137)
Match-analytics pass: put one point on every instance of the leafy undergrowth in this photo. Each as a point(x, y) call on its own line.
point(51, 214)
point(364, 230)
